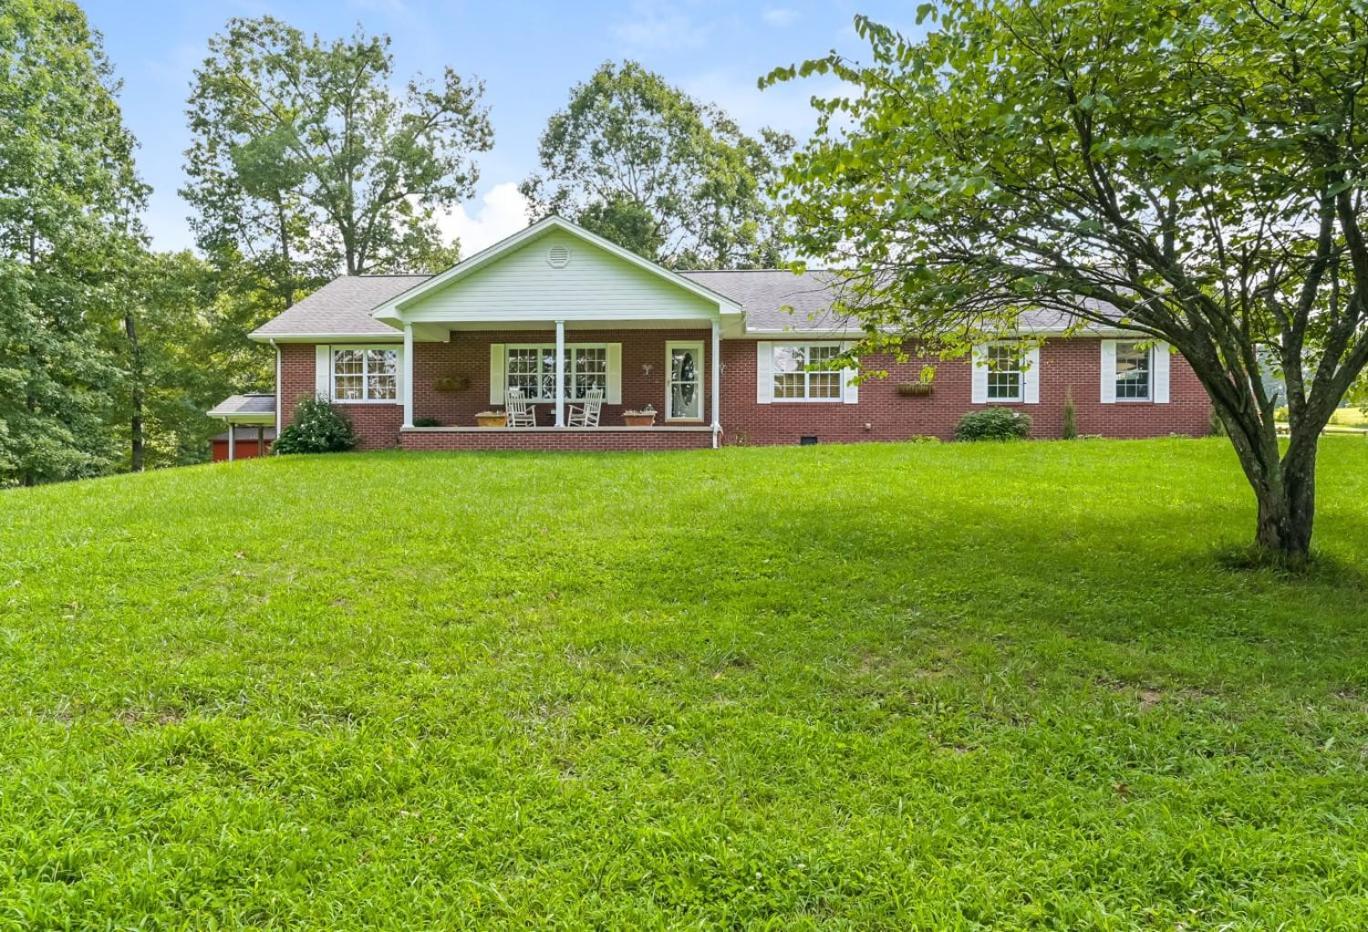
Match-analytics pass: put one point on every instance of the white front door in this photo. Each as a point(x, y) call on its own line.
point(684, 388)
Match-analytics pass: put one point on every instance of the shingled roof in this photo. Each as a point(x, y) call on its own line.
point(343, 306)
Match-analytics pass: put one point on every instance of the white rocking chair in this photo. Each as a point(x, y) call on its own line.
point(520, 413)
point(587, 414)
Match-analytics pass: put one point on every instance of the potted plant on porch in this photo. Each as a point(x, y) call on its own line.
point(491, 419)
point(639, 417)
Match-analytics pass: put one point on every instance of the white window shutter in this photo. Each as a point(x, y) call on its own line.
point(1160, 356)
point(764, 373)
point(1109, 372)
point(850, 389)
point(497, 380)
point(979, 389)
point(323, 372)
point(1030, 388)
point(613, 393)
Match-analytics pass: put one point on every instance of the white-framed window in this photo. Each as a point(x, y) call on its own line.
point(363, 374)
point(1133, 371)
point(806, 372)
point(684, 393)
point(532, 368)
point(1006, 375)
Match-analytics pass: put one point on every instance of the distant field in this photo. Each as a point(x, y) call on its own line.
point(880, 686)
point(1350, 417)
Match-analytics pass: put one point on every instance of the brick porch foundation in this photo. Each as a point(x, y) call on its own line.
point(625, 439)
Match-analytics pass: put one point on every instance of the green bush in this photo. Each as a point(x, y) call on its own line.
point(318, 428)
point(993, 424)
point(426, 422)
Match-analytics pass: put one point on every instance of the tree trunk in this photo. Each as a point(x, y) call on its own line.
point(1286, 515)
point(1286, 519)
point(135, 419)
point(1284, 486)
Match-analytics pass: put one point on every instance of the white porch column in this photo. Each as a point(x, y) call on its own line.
point(560, 373)
point(716, 353)
point(232, 441)
point(407, 377)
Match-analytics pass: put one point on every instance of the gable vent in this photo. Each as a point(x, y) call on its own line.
point(558, 257)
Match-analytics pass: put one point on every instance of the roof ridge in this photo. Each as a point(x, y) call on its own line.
point(737, 271)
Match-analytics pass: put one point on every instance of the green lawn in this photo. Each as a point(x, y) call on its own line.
point(877, 686)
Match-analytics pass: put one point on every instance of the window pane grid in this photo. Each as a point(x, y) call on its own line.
point(1004, 373)
point(1132, 372)
point(805, 372)
point(533, 370)
point(365, 375)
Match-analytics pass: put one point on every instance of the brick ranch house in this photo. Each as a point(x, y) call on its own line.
point(724, 357)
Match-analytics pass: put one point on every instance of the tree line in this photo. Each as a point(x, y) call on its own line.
point(305, 163)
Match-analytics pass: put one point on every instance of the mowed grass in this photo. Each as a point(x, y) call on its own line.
point(875, 686)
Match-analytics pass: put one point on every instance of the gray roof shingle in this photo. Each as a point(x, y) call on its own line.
point(763, 293)
point(342, 307)
point(244, 404)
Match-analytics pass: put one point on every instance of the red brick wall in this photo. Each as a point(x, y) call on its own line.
point(883, 414)
point(377, 425)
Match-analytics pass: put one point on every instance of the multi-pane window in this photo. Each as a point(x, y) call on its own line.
point(1132, 372)
point(1004, 372)
point(533, 369)
point(806, 372)
point(586, 369)
point(365, 374)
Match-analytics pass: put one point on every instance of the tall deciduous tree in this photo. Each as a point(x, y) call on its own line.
point(1196, 168)
point(306, 163)
point(641, 163)
point(68, 201)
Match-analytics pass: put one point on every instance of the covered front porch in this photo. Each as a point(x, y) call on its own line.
point(653, 379)
point(556, 316)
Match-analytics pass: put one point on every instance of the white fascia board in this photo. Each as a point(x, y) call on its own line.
point(392, 310)
point(392, 337)
point(266, 418)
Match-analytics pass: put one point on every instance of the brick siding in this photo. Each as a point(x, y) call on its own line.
point(640, 439)
point(1066, 365)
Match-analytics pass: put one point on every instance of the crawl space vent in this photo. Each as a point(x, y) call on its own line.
point(558, 257)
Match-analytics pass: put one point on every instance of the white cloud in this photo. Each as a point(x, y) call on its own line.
point(779, 16)
point(502, 211)
point(656, 25)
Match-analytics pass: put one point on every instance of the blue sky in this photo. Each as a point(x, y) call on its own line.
point(528, 54)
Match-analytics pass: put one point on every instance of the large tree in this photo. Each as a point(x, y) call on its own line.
point(68, 202)
point(306, 162)
point(641, 163)
point(1196, 170)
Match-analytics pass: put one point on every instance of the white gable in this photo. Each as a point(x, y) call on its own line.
point(558, 276)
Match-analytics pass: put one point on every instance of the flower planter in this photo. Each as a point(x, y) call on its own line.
point(639, 420)
point(492, 419)
point(914, 389)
